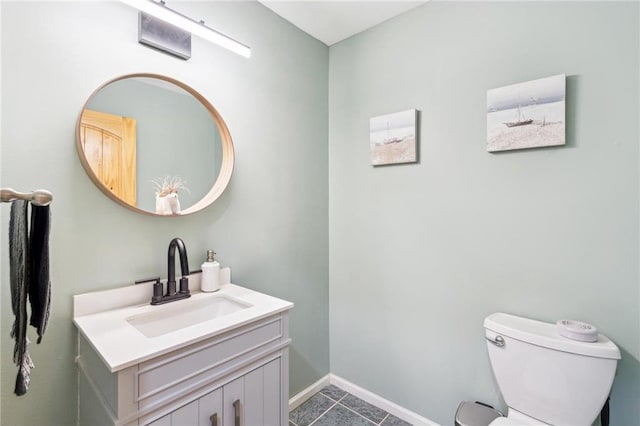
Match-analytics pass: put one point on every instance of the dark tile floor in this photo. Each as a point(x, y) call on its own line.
point(333, 406)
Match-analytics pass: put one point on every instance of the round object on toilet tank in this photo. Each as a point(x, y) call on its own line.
point(577, 330)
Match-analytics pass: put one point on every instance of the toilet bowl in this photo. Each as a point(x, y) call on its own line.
point(545, 378)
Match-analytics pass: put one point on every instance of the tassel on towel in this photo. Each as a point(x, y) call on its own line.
point(29, 277)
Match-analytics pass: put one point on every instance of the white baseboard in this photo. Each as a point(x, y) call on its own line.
point(308, 392)
point(370, 397)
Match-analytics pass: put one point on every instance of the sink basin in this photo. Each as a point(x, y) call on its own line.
point(184, 313)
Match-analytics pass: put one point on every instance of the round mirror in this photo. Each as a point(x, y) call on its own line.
point(154, 145)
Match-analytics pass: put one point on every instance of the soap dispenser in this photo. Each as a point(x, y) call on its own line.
point(210, 273)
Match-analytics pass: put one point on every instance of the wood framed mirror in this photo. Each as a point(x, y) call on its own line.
point(154, 145)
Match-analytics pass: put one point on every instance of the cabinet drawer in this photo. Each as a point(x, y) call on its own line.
point(171, 376)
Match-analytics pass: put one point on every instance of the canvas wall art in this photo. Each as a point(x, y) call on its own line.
point(392, 138)
point(527, 115)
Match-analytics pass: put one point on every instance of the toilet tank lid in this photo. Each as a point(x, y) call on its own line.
point(546, 335)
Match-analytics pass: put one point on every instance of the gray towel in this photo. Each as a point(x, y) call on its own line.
point(39, 284)
point(29, 276)
point(19, 277)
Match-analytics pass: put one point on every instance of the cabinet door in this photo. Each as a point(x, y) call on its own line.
point(186, 415)
point(233, 403)
point(272, 395)
point(251, 400)
point(254, 399)
point(210, 409)
point(162, 421)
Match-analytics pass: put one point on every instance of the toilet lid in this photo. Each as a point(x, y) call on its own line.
point(508, 421)
point(504, 421)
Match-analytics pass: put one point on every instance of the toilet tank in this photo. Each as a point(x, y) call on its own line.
point(548, 377)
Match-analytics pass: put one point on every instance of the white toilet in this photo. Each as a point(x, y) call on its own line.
point(545, 378)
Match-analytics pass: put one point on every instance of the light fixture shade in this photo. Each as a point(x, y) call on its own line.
point(163, 36)
point(172, 17)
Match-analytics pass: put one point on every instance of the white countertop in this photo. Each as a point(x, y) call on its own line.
point(121, 345)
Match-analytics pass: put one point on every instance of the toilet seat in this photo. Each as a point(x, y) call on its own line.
point(508, 421)
point(502, 421)
point(517, 420)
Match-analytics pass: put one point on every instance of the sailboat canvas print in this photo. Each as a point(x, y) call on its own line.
point(392, 138)
point(527, 115)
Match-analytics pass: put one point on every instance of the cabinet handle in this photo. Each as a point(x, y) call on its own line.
point(236, 411)
point(214, 419)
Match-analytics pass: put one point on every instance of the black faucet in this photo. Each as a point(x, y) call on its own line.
point(184, 267)
point(172, 295)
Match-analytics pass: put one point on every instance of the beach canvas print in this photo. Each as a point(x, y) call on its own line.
point(392, 138)
point(526, 115)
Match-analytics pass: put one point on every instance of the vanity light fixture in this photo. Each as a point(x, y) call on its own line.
point(197, 28)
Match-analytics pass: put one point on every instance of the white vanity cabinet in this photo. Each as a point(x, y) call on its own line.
point(235, 378)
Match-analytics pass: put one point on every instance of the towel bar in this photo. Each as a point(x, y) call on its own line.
point(39, 197)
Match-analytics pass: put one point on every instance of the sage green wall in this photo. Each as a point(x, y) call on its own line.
point(270, 225)
point(421, 253)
